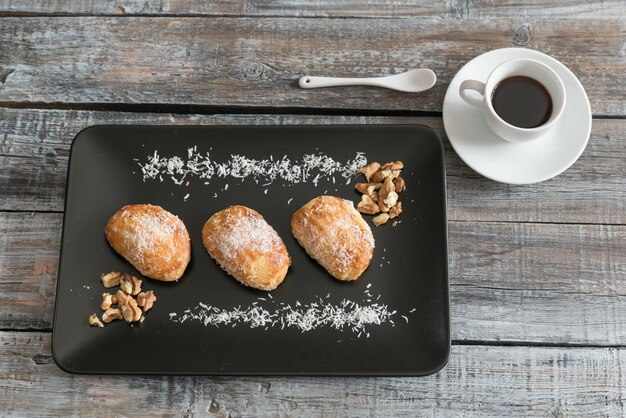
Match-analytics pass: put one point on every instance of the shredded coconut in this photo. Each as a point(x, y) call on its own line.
point(310, 167)
point(345, 315)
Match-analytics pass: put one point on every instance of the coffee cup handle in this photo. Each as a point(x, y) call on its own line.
point(472, 85)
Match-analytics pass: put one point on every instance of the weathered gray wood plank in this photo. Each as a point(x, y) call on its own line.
point(543, 282)
point(478, 381)
point(321, 8)
point(548, 283)
point(34, 150)
point(29, 260)
point(243, 62)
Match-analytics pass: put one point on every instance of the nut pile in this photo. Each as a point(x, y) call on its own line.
point(130, 300)
point(380, 193)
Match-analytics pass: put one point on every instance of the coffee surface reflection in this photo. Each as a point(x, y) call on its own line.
point(522, 101)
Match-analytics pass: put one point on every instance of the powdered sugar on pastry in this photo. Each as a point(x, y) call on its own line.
point(248, 232)
point(152, 239)
point(333, 233)
point(247, 247)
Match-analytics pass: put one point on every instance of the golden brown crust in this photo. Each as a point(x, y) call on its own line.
point(332, 232)
point(152, 239)
point(247, 247)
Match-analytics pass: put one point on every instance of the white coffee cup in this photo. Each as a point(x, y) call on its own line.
point(516, 67)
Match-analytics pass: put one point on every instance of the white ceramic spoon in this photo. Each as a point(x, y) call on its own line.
point(412, 81)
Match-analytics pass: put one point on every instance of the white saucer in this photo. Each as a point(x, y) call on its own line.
point(503, 161)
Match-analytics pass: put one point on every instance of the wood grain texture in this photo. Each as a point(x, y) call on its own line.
point(249, 62)
point(321, 8)
point(29, 260)
point(520, 274)
point(545, 283)
point(478, 381)
point(34, 150)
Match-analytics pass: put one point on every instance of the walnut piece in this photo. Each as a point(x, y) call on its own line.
point(363, 188)
point(130, 284)
point(380, 219)
point(391, 200)
point(380, 192)
point(122, 297)
point(383, 174)
point(111, 279)
point(131, 312)
point(137, 314)
point(146, 299)
point(111, 314)
point(395, 211)
point(141, 299)
point(370, 169)
point(385, 191)
point(399, 183)
point(372, 193)
point(129, 308)
point(108, 300)
point(392, 165)
point(367, 206)
point(94, 321)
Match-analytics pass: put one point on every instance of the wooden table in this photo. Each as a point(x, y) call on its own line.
point(537, 273)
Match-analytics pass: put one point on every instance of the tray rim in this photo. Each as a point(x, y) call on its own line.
point(437, 368)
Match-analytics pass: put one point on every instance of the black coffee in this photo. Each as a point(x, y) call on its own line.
point(522, 101)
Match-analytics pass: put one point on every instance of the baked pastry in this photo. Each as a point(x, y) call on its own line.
point(247, 247)
point(150, 238)
point(332, 232)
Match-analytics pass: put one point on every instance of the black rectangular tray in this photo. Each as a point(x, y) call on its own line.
point(408, 273)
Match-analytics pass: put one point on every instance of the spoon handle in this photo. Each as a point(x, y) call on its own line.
point(308, 82)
